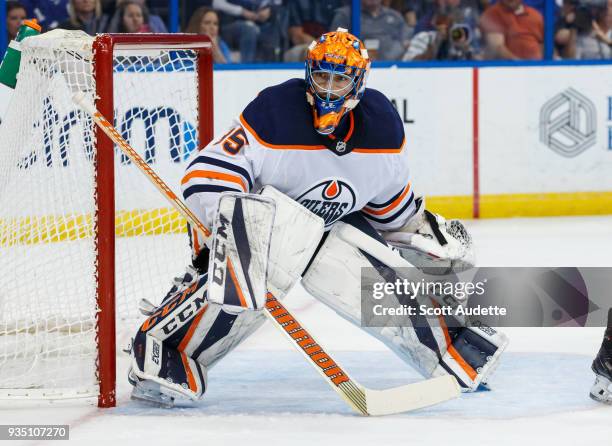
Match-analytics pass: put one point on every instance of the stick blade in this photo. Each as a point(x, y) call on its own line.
point(412, 396)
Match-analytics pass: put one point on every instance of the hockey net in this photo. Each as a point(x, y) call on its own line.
point(64, 265)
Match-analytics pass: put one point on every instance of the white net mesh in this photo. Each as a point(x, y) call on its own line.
point(47, 206)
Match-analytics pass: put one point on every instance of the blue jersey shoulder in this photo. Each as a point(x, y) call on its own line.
point(281, 115)
point(377, 123)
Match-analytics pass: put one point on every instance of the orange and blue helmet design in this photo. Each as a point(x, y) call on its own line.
point(337, 67)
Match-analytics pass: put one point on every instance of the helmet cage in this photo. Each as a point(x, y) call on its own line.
point(353, 75)
point(326, 98)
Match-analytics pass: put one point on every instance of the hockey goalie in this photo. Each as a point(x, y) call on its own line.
point(323, 166)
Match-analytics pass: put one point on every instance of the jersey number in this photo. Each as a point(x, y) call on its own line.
point(233, 142)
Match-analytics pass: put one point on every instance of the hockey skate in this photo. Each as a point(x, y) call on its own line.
point(149, 392)
point(153, 394)
point(602, 366)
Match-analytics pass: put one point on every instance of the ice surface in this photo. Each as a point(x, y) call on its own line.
point(264, 392)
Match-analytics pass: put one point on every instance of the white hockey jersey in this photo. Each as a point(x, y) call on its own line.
point(362, 167)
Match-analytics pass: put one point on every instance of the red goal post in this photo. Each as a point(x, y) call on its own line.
point(103, 50)
point(83, 236)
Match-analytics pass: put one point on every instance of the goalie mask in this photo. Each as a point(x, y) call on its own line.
point(337, 67)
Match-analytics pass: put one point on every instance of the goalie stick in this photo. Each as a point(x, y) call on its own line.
point(363, 400)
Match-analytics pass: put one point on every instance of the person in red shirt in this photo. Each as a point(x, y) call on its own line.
point(513, 31)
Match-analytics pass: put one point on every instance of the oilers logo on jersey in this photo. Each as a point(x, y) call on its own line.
point(330, 199)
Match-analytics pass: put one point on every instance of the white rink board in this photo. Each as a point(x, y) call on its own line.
point(437, 100)
point(512, 157)
point(436, 106)
point(234, 89)
point(439, 140)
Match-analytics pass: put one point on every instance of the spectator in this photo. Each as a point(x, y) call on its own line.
point(242, 24)
point(206, 21)
point(410, 14)
point(446, 42)
point(513, 31)
point(189, 8)
point(85, 15)
point(463, 12)
point(565, 31)
point(307, 20)
point(133, 17)
point(398, 5)
point(155, 23)
point(15, 14)
point(383, 30)
point(594, 34)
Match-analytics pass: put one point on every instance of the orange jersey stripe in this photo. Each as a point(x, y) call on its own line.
point(318, 147)
point(392, 206)
point(373, 151)
point(351, 128)
point(276, 146)
point(210, 174)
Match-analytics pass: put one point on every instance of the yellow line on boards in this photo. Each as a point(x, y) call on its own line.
point(459, 206)
point(524, 205)
point(70, 227)
point(546, 204)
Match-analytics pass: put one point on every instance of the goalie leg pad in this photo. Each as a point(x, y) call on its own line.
point(334, 278)
point(188, 334)
point(260, 243)
point(203, 330)
point(239, 253)
point(205, 316)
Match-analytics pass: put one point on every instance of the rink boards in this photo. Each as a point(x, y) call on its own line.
point(483, 142)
